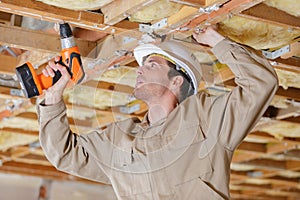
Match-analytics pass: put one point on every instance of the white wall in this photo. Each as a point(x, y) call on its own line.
point(17, 187)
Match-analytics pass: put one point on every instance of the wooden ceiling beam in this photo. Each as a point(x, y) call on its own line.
point(248, 151)
point(265, 13)
point(237, 178)
point(19, 131)
point(196, 3)
point(240, 156)
point(238, 195)
point(274, 164)
point(39, 10)
point(229, 7)
point(253, 147)
point(290, 93)
point(8, 64)
point(5, 17)
point(264, 193)
point(289, 64)
point(118, 10)
point(38, 40)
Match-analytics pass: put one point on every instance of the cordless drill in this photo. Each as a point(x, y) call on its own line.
point(33, 84)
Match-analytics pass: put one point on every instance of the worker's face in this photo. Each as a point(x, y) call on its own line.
point(152, 78)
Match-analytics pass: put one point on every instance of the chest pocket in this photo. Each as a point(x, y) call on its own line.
point(188, 164)
point(124, 177)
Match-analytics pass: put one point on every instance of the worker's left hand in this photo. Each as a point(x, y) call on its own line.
point(208, 36)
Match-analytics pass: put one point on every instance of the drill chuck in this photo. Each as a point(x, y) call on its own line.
point(65, 31)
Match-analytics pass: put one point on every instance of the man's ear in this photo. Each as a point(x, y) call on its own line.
point(177, 81)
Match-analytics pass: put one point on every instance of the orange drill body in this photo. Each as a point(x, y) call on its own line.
point(33, 84)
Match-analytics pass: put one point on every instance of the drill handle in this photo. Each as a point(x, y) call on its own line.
point(57, 73)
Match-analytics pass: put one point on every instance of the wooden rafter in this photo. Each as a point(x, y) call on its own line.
point(265, 13)
point(122, 9)
point(38, 40)
point(83, 19)
point(8, 64)
point(266, 157)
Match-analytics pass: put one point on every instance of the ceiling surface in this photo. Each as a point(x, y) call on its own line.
point(265, 166)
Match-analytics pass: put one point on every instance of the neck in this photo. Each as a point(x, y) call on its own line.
point(160, 109)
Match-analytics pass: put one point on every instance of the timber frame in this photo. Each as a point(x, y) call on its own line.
point(264, 166)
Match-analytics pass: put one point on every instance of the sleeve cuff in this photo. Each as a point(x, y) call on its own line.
point(47, 112)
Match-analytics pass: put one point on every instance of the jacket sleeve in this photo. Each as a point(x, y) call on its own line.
point(235, 113)
point(63, 148)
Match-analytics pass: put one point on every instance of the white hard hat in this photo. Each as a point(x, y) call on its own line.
point(177, 53)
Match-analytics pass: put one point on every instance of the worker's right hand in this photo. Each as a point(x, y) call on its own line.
point(54, 94)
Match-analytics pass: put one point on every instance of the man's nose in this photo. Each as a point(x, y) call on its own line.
point(139, 70)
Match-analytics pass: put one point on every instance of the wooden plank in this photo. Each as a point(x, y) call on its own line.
point(185, 13)
point(262, 193)
point(274, 181)
point(290, 93)
point(198, 3)
point(7, 64)
point(253, 147)
point(290, 64)
point(230, 7)
point(36, 9)
point(5, 18)
point(19, 131)
point(265, 13)
point(38, 40)
point(83, 19)
point(118, 10)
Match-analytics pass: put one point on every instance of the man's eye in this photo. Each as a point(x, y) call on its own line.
point(153, 64)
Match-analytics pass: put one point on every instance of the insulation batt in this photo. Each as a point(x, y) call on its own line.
point(78, 4)
point(156, 11)
point(290, 6)
point(257, 34)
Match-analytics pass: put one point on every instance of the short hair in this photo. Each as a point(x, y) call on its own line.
point(186, 88)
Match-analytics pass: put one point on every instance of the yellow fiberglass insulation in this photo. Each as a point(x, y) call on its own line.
point(156, 11)
point(257, 34)
point(11, 139)
point(290, 6)
point(288, 78)
point(78, 4)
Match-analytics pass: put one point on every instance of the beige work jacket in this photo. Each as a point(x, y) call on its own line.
point(185, 156)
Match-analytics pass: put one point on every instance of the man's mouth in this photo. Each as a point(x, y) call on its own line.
point(139, 82)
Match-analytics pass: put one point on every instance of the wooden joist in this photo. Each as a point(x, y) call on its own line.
point(8, 64)
point(38, 40)
point(230, 7)
point(265, 13)
point(118, 10)
point(38, 10)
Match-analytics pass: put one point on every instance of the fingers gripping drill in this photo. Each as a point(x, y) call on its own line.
point(33, 84)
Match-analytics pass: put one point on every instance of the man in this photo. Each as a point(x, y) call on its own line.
point(183, 147)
